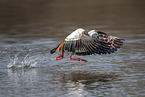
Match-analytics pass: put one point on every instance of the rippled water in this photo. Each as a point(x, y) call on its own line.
point(29, 30)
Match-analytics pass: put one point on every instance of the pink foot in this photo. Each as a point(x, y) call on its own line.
point(83, 60)
point(58, 58)
point(78, 59)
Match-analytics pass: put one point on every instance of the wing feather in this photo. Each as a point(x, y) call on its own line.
point(87, 45)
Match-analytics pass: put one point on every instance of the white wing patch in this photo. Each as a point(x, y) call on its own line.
point(76, 35)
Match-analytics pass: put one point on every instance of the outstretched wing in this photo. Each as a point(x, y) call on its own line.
point(96, 43)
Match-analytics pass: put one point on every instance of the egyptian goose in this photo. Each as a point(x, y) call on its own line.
point(81, 42)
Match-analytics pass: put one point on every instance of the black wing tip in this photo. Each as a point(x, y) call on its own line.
point(121, 39)
point(100, 32)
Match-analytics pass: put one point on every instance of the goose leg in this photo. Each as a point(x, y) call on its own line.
point(60, 57)
point(78, 59)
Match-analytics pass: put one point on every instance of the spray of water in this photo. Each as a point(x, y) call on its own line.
point(27, 61)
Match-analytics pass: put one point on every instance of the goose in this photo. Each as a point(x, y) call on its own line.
point(81, 42)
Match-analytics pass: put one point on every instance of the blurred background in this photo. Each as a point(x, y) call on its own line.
point(60, 16)
point(29, 29)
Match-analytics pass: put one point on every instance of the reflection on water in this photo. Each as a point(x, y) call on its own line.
point(30, 29)
point(19, 75)
point(74, 83)
point(80, 81)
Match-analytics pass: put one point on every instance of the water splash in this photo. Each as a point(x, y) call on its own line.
point(27, 61)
